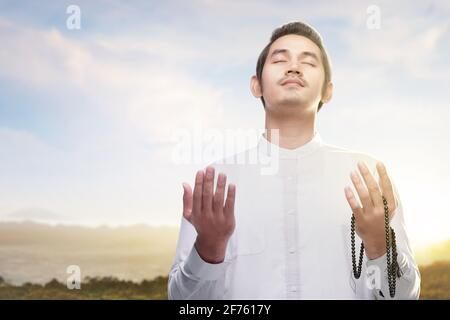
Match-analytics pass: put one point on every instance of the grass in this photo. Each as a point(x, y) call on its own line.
point(435, 285)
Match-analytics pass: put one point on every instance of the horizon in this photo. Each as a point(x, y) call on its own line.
point(415, 246)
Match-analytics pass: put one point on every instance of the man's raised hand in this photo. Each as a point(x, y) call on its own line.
point(212, 218)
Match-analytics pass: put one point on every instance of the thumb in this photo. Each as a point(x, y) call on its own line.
point(187, 201)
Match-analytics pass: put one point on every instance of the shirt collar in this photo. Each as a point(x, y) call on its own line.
point(267, 148)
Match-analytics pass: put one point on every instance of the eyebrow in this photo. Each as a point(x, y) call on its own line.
point(304, 53)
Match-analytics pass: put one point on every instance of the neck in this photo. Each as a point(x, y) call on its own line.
point(293, 131)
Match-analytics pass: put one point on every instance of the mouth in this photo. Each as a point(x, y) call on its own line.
point(293, 82)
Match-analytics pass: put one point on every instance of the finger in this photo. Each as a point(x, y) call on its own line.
point(387, 187)
point(372, 185)
point(187, 201)
point(208, 187)
point(363, 194)
point(219, 195)
point(352, 201)
point(229, 203)
point(198, 189)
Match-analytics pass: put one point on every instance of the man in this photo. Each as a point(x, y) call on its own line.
point(287, 235)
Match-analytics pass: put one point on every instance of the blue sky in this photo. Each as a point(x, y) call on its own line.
point(87, 116)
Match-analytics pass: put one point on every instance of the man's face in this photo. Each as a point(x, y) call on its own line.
point(292, 59)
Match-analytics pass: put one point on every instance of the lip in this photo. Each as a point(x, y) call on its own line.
point(293, 81)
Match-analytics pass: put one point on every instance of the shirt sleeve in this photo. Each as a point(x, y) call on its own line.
point(408, 285)
point(190, 276)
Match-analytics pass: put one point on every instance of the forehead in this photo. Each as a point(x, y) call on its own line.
point(295, 44)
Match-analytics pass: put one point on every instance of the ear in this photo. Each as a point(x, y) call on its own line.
point(328, 93)
point(255, 87)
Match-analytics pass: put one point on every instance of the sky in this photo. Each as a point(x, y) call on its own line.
point(89, 116)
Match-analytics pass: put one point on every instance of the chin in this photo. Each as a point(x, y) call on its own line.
point(291, 103)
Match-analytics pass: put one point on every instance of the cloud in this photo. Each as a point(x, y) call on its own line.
point(113, 183)
point(406, 44)
point(147, 93)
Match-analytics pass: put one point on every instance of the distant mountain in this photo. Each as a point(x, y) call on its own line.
point(33, 252)
point(39, 215)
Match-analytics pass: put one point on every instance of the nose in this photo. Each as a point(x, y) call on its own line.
point(294, 71)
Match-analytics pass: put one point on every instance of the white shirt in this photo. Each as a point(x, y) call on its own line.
point(292, 234)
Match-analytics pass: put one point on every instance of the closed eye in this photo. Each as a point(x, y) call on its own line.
point(309, 63)
point(279, 61)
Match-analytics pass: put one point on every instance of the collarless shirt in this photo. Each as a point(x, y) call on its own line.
point(292, 234)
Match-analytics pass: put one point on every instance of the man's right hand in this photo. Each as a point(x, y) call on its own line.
point(206, 211)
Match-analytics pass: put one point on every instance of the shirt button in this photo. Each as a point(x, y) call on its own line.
point(291, 212)
point(291, 249)
point(289, 178)
point(293, 288)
